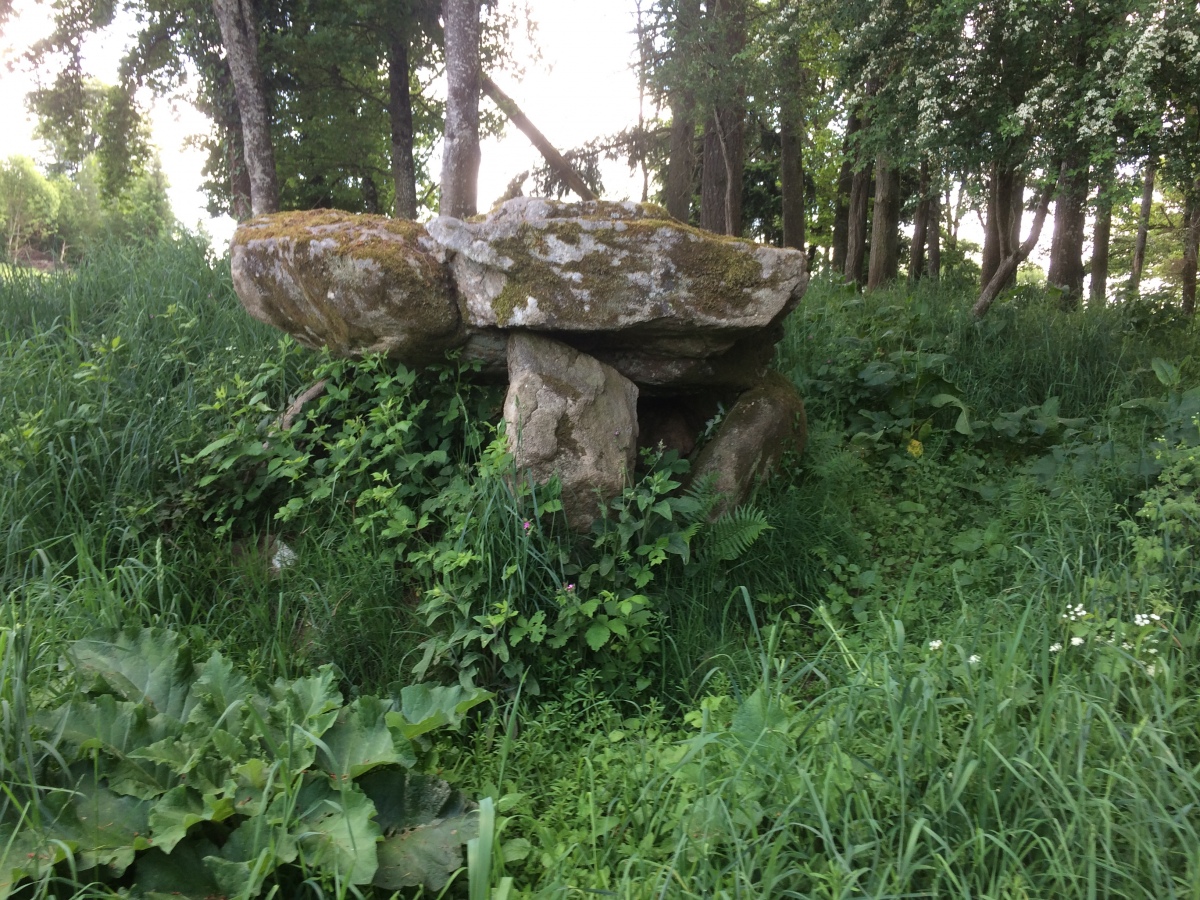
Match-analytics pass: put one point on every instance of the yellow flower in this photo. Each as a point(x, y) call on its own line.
point(915, 448)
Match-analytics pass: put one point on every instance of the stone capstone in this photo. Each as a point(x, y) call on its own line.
point(570, 416)
point(580, 305)
point(354, 284)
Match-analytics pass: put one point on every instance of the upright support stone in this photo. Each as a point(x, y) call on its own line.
point(766, 422)
point(571, 416)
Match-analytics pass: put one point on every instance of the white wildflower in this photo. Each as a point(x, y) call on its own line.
point(935, 645)
point(973, 658)
point(1076, 641)
point(1055, 647)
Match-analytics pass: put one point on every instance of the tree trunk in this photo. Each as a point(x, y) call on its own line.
point(1101, 233)
point(239, 34)
point(1066, 248)
point(845, 183)
point(1191, 246)
point(935, 236)
point(681, 164)
point(791, 181)
point(856, 234)
point(1006, 206)
point(1006, 270)
point(553, 158)
point(460, 153)
point(916, 264)
point(1143, 232)
point(400, 114)
point(885, 225)
point(724, 130)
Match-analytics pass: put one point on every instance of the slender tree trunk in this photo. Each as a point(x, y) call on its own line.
point(400, 113)
point(681, 164)
point(1007, 268)
point(845, 183)
point(856, 234)
point(239, 34)
point(916, 265)
point(725, 129)
point(555, 160)
point(935, 236)
point(791, 178)
point(885, 225)
point(460, 154)
point(1066, 248)
point(1191, 247)
point(1143, 232)
point(1101, 234)
point(1006, 207)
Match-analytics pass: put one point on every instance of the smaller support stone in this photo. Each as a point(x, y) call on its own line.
point(766, 422)
point(571, 416)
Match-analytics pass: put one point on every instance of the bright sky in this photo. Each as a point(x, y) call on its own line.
point(583, 87)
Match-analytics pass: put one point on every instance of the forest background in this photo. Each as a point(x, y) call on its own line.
point(949, 650)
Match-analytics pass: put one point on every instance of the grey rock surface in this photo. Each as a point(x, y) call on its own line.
point(766, 422)
point(571, 416)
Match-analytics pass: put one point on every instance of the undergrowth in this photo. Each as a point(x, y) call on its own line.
point(949, 650)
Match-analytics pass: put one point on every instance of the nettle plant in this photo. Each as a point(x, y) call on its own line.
point(414, 461)
point(175, 778)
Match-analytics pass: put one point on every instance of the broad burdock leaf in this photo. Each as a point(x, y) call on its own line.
point(361, 739)
point(102, 827)
point(151, 667)
point(337, 830)
point(183, 874)
point(425, 826)
point(424, 707)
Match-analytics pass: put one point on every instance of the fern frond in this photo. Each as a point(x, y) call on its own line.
point(732, 535)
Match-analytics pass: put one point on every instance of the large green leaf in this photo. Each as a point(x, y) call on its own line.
point(362, 740)
point(425, 825)
point(152, 666)
point(182, 874)
point(105, 828)
point(425, 707)
point(337, 830)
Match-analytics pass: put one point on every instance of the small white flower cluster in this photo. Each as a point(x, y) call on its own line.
point(1144, 619)
point(1075, 614)
point(935, 645)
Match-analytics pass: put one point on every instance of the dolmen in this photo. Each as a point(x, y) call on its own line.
point(616, 327)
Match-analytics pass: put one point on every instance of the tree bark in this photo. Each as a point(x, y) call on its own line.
point(239, 34)
point(400, 114)
point(856, 233)
point(1101, 235)
point(791, 181)
point(916, 264)
point(935, 236)
point(1191, 248)
point(724, 131)
point(1007, 268)
point(460, 153)
point(1006, 206)
point(885, 225)
point(1066, 248)
point(845, 183)
point(1143, 232)
point(681, 164)
point(553, 158)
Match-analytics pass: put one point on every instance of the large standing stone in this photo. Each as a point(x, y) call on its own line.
point(765, 423)
point(626, 275)
point(353, 283)
point(569, 415)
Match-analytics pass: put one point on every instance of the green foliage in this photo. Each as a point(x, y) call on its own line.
point(180, 777)
point(29, 204)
